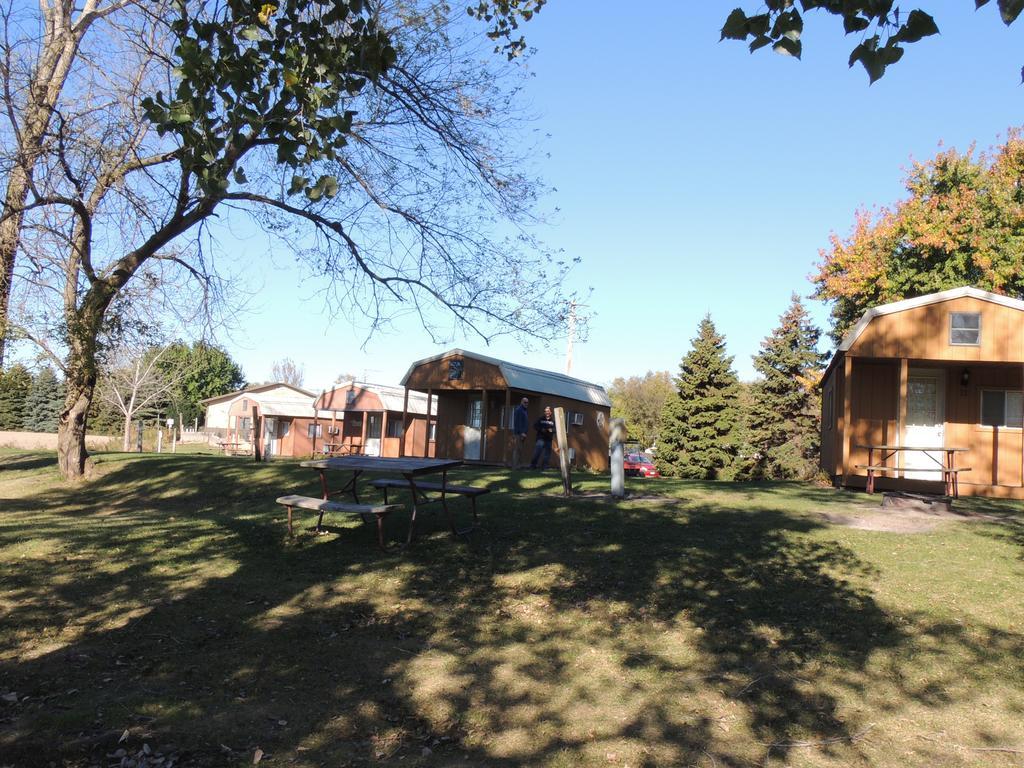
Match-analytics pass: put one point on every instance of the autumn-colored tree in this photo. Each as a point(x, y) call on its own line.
point(962, 223)
point(640, 400)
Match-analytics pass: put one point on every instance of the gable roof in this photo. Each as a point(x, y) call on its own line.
point(529, 379)
point(256, 388)
point(392, 398)
point(922, 301)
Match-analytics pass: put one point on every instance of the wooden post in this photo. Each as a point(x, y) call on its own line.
point(902, 418)
point(847, 413)
point(257, 435)
point(563, 450)
point(405, 423)
point(426, 434)
point(483, 425)
point(506, 433)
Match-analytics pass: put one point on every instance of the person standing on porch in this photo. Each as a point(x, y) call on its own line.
point(520, 426)
point(545, 428)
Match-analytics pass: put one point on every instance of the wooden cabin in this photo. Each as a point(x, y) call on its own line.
point(277, 427)
point(216, 408)
point(476, 396)
point(937, 371)
point(368, 419)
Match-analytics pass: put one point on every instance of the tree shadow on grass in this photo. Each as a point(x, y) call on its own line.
point(596, 633)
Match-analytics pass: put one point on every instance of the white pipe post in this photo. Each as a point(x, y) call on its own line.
point(617, 436)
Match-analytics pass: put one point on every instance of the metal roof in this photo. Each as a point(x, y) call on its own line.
point(529, 379)
point(256, 388)
point(392, 398)
point(922, 301)
point(291, 408)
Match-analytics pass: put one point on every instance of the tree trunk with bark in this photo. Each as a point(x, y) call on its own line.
point(72, 456)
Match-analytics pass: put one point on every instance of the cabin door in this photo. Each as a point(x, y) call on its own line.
point(373, 424)
point(471, 430)
point(270, 446)
point(926, 421)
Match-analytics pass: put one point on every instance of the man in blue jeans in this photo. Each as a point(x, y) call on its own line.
point(520, 426)
point(545, 428)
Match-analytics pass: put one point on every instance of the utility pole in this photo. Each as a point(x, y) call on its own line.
point(572, 335)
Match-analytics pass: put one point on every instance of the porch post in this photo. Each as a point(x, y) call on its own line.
point(902, 418)
point(483, 425)
point(847, 413)
point(405, 425)
point(426, 433)
point(504, 427)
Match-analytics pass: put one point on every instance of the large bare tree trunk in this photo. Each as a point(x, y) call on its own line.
point(72, 456)
point(10, 229)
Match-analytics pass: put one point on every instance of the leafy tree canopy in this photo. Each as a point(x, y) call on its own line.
point(640, 400)
point(208, 371)
point(883, 27)
point(962, 223)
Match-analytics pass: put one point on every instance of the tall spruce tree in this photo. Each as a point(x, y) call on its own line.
point(15, 383)
point(698, 427)
point(43, 402)
point(784, 415)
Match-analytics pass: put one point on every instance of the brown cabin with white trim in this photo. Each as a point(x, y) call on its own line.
point(476, 395)
point(368, 419)
point(943, 370)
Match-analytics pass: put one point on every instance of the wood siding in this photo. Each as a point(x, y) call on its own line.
point(476, 374)
point(923, 334)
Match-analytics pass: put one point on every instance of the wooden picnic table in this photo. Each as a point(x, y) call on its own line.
point(946, 466)
point(341, 449)
point(233, 449)
point(408, 468)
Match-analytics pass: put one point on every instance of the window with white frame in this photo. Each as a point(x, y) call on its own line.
point(965, 329)
point(575, 418)
point(314, 429)
point(432, 431)
point(1001, 408)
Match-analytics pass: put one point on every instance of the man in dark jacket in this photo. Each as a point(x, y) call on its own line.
point(520, 426)
point(545, 428)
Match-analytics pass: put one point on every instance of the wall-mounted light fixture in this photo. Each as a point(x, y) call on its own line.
point(965, 377)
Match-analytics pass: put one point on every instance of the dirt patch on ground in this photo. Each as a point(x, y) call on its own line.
point(895, 520)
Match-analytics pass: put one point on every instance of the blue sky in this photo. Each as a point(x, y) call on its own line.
point(691, 177)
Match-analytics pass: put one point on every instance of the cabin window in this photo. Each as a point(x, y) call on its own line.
point(455, 370)
point(350, 397)
point(575, 418)
point(373, 426)
point(965, 328)
point(1002, 409)
point(432, 431)
point(314, 430)
point(394, 428)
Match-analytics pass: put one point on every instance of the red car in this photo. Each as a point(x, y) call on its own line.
point(639, 465)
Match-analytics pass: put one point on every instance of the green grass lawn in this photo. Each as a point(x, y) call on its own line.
point(702, 624)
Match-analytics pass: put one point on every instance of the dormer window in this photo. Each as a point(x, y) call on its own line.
point(965, 329)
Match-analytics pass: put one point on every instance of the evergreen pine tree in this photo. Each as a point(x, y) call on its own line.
point(697, 432)
point(785, 408)
point(44, 402)
point(15, 383)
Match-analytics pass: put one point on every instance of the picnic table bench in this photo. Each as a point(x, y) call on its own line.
point(947, 468)
point(236, 449)
point(366, 511)
point(445, 489)
point(411, 469)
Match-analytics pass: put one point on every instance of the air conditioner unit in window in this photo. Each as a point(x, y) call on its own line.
point(333, 431)
point(576, 418)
